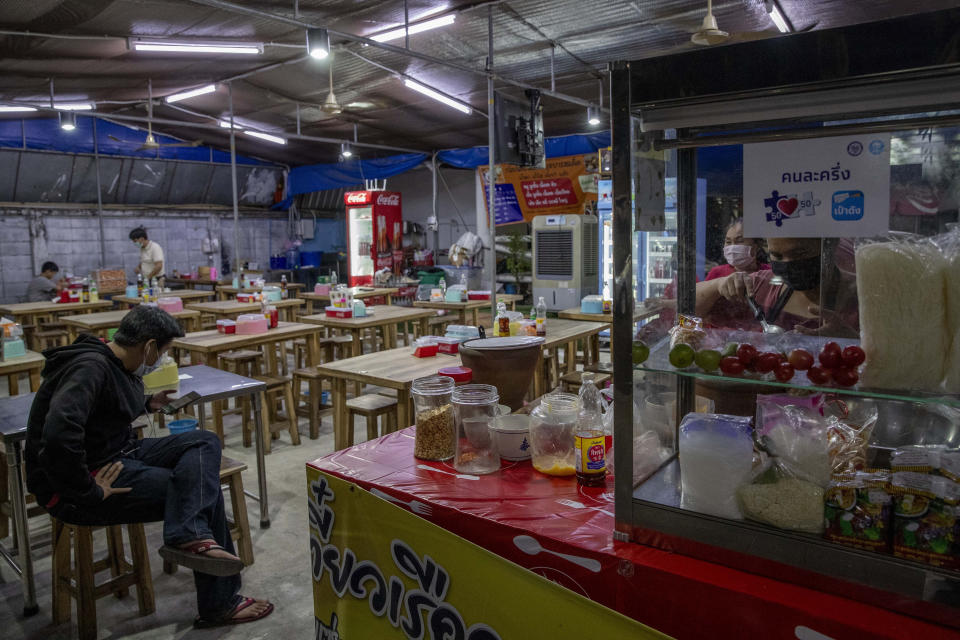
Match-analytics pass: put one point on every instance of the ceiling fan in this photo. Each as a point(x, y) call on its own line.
point(330, 106)
point(151, 144)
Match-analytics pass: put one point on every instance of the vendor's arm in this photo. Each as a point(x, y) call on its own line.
point(61, 452)
point(157, 269)
point(737, 287)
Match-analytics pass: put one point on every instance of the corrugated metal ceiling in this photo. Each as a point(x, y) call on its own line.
point(376, 101)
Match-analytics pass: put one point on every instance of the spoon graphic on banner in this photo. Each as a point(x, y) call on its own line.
point(530, 546)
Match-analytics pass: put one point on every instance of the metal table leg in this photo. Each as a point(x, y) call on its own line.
point(261, 463)
point(19, 503)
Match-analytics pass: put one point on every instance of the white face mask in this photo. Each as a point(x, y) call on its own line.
point(740, 256)
point(146, 369)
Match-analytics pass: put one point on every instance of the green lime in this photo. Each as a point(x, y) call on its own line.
point(708, 360)
point(640, 352)
point(729, 349)
point(682, 355)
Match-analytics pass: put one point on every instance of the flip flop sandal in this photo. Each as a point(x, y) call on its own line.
point(229, 619)
point(194, 557)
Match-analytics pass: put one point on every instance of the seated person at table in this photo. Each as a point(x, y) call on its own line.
point(792, 295)
point(45, 286)
point(87, 468)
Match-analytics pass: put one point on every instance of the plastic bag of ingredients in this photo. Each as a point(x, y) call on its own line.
point(949, 245)
point(689, 331)
point(716, 457)
point(901, 287)
point(936, 459)
point(798, 437)
point(783, 501)
point(858, 510)
point(926, 518)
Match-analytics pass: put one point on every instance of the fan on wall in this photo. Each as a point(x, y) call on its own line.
point(151, 144)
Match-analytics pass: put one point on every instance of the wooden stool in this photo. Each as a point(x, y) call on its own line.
point(78, 579)
point(231, 479)
point(278, 389)
point(341, 346)
point(300, 351)
point(383, 391)
point(438, 324)
point(309, 407)
point(371, 406)
point(47, 339)
point(572, 381)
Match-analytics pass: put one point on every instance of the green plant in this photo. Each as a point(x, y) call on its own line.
point(518, 264)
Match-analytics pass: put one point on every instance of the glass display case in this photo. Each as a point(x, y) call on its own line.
point(798, 415)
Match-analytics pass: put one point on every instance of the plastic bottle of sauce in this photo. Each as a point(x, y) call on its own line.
point(590, 457)
point(283, 287)
point(541, 317)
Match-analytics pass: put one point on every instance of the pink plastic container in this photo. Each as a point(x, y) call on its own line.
point(251, 323)
point(321, 289)
point(338, 312)
point(170, 305)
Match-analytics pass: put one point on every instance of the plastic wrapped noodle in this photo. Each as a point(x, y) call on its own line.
point(949, 244)
point(903, 319)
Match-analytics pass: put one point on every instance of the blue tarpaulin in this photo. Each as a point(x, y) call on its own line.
point(558, 147)
point(318, 177)
point(112, 139)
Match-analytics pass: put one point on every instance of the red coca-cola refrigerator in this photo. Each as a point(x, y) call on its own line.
point(374, 234)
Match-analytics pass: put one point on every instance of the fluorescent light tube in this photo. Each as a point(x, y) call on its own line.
point(436, 95)
point(419, 27)
point(184, 95)
point(12, 109)
point(778, 19)
point(73, 106)
point(189, 47)
point(226, 124)
point(267, 137)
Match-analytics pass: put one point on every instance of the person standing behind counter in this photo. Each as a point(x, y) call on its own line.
point(151, 256)
point(43, 288)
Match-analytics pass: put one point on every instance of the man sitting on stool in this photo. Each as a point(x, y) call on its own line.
point(80, 445)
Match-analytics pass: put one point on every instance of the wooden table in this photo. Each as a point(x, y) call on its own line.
point(640, 312)
point(510, 299)
point(100, 323)
point(224, 291)
point(461, 308)
point(29, 313)
point(359, 293)
point(394, 369)
point(208, 345)
point(386, 316)
point(186, 295)
point(232, 308)
point(191, 283)
point(565, 334)
point(31, 362)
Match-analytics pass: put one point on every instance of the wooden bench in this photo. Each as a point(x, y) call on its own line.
point(372, 406)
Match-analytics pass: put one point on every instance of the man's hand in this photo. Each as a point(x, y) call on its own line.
point(736, 286)
point(106, 476)
point(160, 399)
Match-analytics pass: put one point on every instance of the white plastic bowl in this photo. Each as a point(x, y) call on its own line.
point(512, 434)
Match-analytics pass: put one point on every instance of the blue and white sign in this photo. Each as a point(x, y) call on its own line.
point(822, 188)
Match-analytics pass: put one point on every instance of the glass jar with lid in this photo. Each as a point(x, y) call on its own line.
point(475, 407)
point(435, 437)
point(553, 424)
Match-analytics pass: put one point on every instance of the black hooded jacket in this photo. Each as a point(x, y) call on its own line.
point(80, 420)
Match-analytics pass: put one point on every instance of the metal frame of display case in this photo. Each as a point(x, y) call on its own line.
point(777, 89)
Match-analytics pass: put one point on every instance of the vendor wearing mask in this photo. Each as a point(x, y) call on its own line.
point(793, 295)
point(742, 254)
point(151, 256)
point(86, 467)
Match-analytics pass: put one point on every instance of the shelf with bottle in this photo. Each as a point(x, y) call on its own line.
point(659, 361)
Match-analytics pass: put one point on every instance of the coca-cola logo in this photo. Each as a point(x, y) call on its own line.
point(392, 200)
point(357, 197)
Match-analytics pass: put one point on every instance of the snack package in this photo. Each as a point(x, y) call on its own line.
point(926, 518)
point(858, 510)
point(689, 331)
point(935, 459)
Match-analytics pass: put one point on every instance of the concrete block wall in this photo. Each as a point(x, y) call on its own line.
point(71, 238)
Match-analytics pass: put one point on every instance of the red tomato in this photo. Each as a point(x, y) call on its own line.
point(767, 362)
point(731, 366)
point(845, 376)
point(818, 375)
point(853, 356)
point(831, 357)
point(800, 359)
point(747, 353)
point(784, 372)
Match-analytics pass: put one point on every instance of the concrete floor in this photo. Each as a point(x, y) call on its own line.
point(280, 571)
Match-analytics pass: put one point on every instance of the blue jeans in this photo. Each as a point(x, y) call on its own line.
point(175, 479)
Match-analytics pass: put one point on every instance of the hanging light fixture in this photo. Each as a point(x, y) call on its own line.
point(593, 117)
point(68, 120)
point(318, 43)
point(345, 150)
